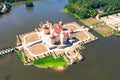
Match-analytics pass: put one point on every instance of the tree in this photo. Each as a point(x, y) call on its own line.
point(83, 14)
point(79, 7)
point(72, 1)
point(93, 13)
point(29, 4)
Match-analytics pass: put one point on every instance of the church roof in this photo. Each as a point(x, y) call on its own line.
point(45, 27)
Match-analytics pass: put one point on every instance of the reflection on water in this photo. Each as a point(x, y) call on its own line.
point(29, 9)
point(101, 57)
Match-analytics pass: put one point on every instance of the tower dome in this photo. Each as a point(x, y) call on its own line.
point(61, 23)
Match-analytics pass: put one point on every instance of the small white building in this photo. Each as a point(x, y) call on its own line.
point(52, 39)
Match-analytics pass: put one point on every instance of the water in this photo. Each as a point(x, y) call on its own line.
point(101, 57)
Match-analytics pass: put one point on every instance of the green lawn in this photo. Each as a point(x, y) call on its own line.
point(45, 62)
point(50, 62)
point(19, 53)
point(1, 56)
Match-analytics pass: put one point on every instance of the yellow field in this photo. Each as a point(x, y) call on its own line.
point(90, 21)
point(104, 30)
point(80, 35)
point(38, 48)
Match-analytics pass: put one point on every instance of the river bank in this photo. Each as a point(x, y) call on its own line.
point(118, 34)
point(5, 8)
point(46, 63)
point(97, 25)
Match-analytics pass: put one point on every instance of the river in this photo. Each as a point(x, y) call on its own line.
point(101, 57)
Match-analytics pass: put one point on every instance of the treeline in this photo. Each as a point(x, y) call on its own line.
point(81, 13)
point(90, 8)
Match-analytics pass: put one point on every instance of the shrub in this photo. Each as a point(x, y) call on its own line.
point(29, 4)
point(106, 14)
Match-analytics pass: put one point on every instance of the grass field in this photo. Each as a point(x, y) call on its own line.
point(50, 62)
point(104, 30)
point(19, 53)
point(90, 21)
point(1, 56)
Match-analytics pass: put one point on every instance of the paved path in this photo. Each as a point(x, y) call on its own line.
point(112, 22)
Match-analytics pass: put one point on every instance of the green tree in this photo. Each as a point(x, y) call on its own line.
point(93, 13)
point(79, 7)
point(29, 4)
point(83, 14)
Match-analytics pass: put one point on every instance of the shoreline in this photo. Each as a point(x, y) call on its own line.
point(66, 11)
point(59, 68)
point(118, 34)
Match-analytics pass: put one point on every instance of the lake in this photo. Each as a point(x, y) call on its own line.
point(101, 57)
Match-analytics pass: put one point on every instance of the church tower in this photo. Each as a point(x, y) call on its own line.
point(46, 29)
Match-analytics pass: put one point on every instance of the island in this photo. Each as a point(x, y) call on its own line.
point(54, 46)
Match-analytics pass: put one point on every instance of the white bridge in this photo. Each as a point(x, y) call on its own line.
point(6, 51)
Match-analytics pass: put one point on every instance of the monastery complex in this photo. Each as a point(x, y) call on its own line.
point(57, 40)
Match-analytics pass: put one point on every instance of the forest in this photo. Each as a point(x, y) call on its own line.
point(90, 8)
